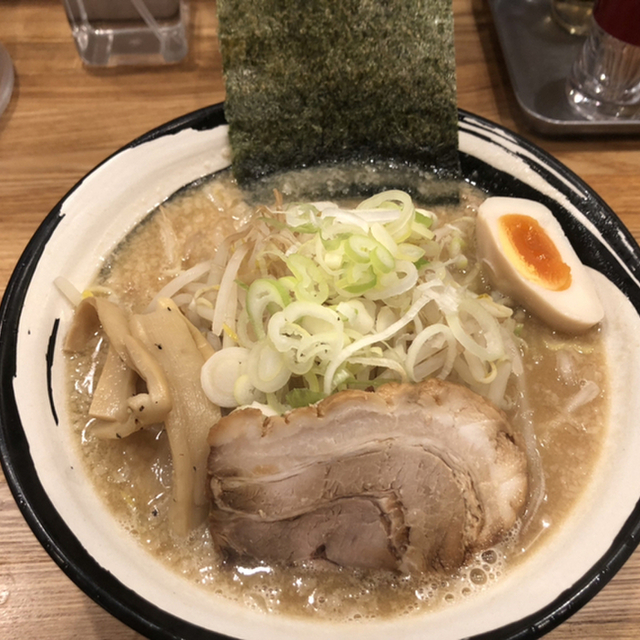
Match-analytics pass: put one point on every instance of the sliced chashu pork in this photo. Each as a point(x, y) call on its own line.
point(409, 477)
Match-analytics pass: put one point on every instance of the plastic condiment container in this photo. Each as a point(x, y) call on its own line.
point(6, 78)
point(116, 32)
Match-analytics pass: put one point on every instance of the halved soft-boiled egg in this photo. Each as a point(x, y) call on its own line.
point(527, 256)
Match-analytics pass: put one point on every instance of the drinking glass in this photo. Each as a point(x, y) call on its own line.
point(604, 82)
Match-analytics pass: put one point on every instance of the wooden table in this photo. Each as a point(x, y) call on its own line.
point(64, 118)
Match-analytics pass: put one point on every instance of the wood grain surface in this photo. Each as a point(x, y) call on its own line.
point(64, 118)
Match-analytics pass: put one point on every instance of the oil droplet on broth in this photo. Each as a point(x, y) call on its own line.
point(477, 576)
point(489, 556)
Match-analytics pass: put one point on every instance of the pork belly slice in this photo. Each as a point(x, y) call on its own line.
point(409, 477)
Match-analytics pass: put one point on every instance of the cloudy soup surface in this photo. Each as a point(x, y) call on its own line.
point(133, 475)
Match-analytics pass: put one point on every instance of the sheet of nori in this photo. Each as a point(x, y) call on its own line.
point(317, 82)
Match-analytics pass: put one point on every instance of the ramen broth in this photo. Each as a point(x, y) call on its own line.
point(133, 475)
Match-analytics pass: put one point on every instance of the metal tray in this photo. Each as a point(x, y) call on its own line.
point(539, 55)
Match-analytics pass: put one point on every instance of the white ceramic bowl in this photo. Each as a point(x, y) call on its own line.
point(59, 503)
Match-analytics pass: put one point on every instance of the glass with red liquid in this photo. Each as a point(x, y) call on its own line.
point(604, 82)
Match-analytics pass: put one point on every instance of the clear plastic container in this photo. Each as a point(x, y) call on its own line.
point(6, 79)
point(113, 32)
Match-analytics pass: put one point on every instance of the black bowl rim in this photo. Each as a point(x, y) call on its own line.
point(139, 614)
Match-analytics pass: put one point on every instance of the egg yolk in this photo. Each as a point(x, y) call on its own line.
point(532, 252)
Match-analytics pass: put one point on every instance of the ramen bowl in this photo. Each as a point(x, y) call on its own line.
point(43, 466)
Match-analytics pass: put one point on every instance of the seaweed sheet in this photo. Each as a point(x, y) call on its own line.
point(329, 82)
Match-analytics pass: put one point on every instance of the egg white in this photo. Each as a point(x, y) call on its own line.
point(572, 310)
